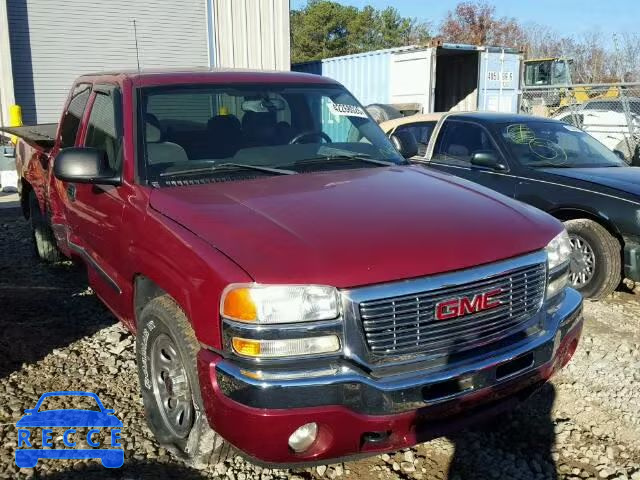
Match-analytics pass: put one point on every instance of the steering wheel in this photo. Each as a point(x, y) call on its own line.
point(310, 134)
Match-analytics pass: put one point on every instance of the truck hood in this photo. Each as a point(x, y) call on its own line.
point(626, 179)
point(356, 227)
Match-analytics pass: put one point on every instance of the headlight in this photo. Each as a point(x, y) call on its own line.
point(558, 256)
point(558, 250)
point(267, 304)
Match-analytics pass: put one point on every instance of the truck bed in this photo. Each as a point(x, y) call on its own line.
point(42, 135)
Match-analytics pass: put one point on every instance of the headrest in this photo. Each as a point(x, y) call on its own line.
point(458, 150)
point(153, 133)
point(258, 119)
point(227, 122)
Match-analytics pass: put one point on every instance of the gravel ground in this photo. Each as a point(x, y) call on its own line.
point(57, 336)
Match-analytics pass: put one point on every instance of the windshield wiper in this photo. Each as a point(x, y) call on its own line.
point(227, 166)
point(362, 157)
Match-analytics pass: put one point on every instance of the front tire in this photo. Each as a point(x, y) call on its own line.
point(43, 238)
point(166, 349)
point(596, 262)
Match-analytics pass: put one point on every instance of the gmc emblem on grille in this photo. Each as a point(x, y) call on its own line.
point(458, 307)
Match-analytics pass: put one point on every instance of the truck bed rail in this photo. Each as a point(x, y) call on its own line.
point(42, 135)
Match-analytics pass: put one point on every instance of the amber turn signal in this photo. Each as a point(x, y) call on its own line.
point(239, 305)
point(246, 347)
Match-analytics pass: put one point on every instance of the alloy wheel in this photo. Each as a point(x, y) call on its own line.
point(583, 261)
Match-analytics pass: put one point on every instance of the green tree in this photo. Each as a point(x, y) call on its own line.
point(323, 28)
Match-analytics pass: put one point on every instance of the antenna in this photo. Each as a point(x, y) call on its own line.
point(135, 36)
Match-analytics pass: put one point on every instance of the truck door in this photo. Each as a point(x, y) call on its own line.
point(457, 142)
point(95, 211)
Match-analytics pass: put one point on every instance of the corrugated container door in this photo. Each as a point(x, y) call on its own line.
point(499, 81)
point(411, 78)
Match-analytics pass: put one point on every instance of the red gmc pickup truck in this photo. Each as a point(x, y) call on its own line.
point(298, 290)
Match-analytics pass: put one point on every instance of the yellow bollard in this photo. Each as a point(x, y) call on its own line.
point(15, 119)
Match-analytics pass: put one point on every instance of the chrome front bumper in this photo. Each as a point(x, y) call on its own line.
point(345, 382)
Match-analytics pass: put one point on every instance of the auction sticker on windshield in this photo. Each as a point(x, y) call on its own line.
point(344, 110)
point(87, 431)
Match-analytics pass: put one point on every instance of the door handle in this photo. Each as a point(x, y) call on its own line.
point(71, 192)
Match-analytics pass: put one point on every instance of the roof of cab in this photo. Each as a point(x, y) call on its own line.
point(419, 117)
point(208, 75)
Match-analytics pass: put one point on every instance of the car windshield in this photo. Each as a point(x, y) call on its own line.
point(196, 134)
point(540, 143)
point(63, 402)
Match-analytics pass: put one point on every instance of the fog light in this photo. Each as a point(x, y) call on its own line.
point(303, 437)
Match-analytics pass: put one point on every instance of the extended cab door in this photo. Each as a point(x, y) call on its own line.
point(95, 211)
point(68, 136)
point(456, 142)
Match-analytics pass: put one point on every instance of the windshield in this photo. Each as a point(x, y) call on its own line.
point(200, 133)
point(555, 144)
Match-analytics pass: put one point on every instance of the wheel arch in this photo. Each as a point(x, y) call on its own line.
point(571, 213)
point(146, 289)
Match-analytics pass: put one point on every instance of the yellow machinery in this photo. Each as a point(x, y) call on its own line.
point(555, 74)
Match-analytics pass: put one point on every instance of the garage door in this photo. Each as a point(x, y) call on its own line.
point(54, 42)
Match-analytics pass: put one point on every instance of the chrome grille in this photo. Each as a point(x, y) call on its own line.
point(407, 324)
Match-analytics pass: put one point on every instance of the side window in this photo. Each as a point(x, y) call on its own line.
point(422, 132)
point(458, 141)
point(104, 130)
point(73, 115)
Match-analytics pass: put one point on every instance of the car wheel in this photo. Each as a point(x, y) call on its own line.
point(43, 238)
point(381, 112)
point(166, 357)
point(595, 268)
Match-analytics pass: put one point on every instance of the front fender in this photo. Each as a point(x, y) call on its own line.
point(190, 270)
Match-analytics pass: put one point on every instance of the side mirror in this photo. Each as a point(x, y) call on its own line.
point(108, 411)
point(85, 165)
point(30, 410)
point(405, 143)
point(487, 159)
point(620, 155)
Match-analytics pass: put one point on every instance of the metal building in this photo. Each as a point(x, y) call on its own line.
point(44, 45)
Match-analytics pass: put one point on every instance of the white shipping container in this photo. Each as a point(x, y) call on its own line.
point(447, 77)
point(453, 77)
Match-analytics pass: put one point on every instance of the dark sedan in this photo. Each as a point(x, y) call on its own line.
point(561, 170)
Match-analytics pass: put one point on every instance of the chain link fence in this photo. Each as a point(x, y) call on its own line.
point(608, 112)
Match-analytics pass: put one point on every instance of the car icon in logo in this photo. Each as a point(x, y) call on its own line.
point(69, 419)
